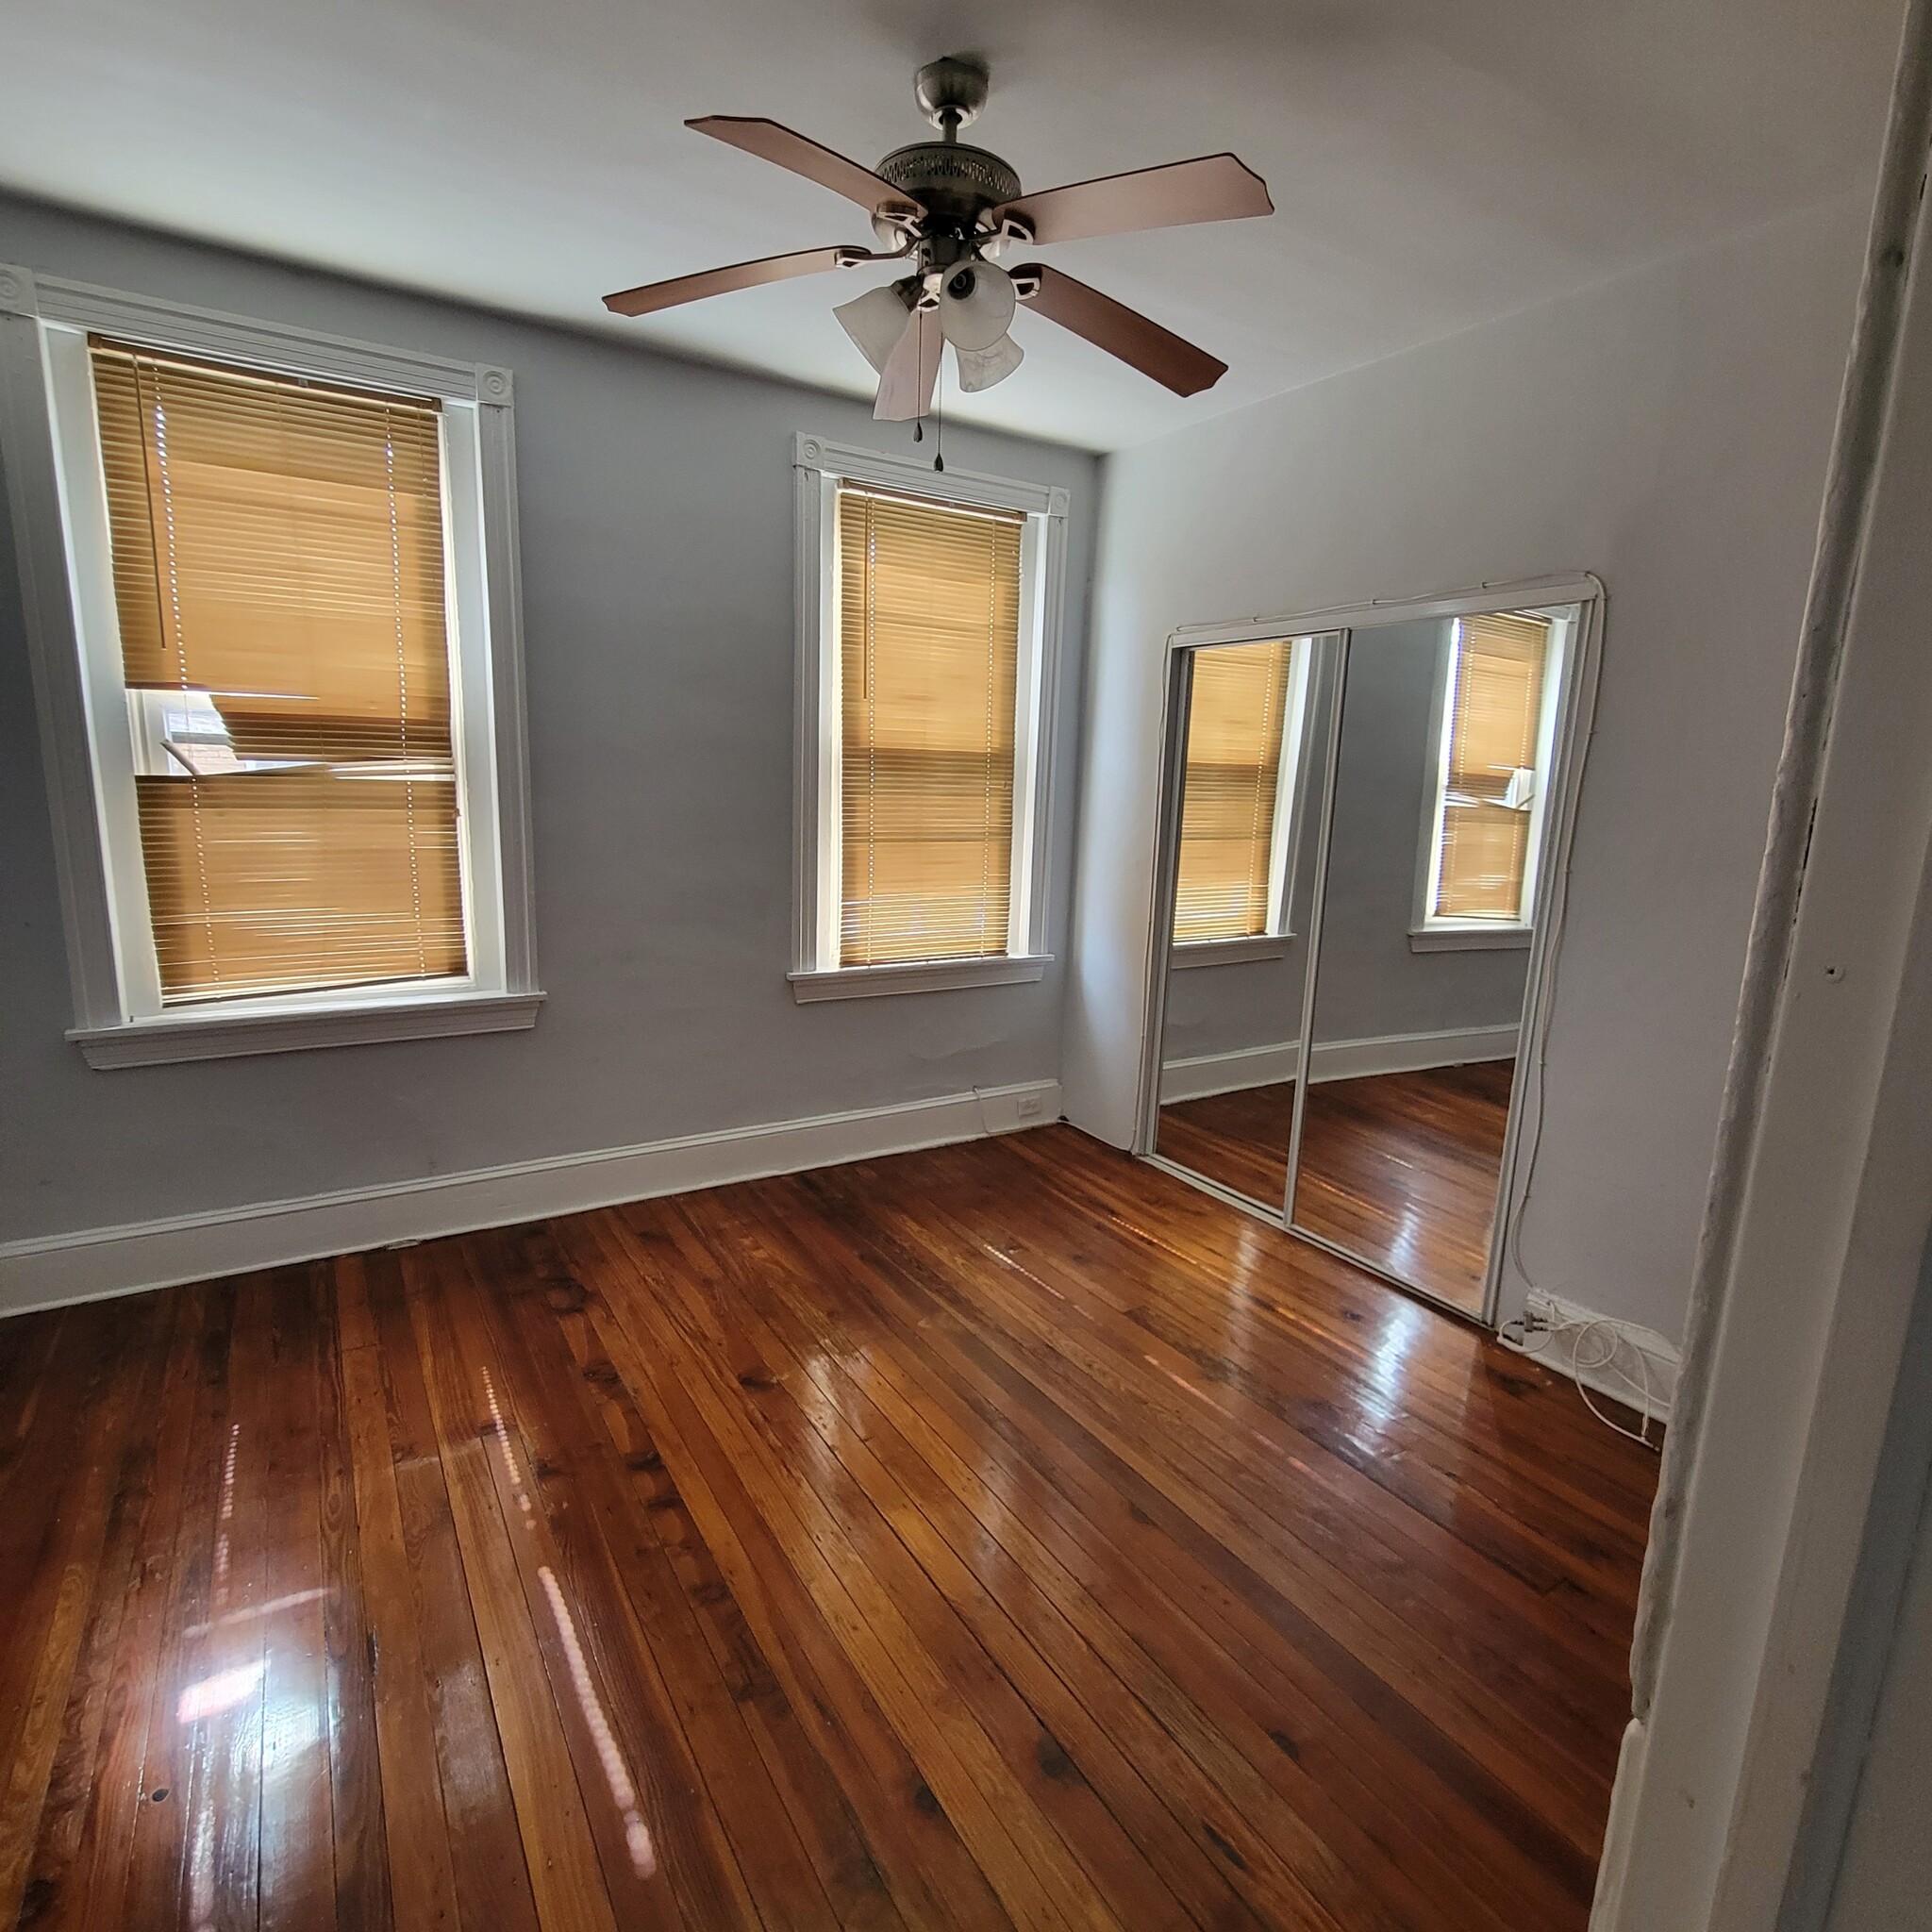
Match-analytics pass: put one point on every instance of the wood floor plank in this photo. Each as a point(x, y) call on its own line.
point(422, 1874)
point(86, 1837)
point(486, 1853)
point(222, 1709)
point(1006, 1535)
point(559, 1849)
point(91, 1528)
point(364, 1901)
point(298, 1882)
point(156, 1880)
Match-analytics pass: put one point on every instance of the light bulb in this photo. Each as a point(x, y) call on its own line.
point(976, 306)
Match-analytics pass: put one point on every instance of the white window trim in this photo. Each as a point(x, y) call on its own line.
point(819, 468)
point(1230, 951)
point(48, 425)
point(1273, 940)
point(1426, 932)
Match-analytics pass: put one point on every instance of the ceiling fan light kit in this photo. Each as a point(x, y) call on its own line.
point(948, 212)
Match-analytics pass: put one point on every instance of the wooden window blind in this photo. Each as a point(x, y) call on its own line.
point(1236, 721)
point(278, 545)
point(1496, 703)
point(928, 629)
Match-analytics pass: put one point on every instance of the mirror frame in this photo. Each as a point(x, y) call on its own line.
point(1505, 1294)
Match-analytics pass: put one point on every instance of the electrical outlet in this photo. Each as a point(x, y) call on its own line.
point(1028, 1107)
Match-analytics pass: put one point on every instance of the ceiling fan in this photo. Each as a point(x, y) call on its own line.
point(946, 212)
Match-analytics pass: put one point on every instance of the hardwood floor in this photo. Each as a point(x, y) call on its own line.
point(1002, 1535)
point(1400, 1169)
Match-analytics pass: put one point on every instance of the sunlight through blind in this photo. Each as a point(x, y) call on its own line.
point(928, 624)
point(1495, 719)
point(278, 574)
point(1235, 732)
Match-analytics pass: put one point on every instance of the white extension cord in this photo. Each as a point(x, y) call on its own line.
point(1545, 1324)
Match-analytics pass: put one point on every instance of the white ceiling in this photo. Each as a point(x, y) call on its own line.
point(1433, 162)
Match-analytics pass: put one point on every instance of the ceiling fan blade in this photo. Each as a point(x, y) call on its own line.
point(906, 383)
point(741, 275)
point(1212, 188)
point(770, 141)
point(1117, 329)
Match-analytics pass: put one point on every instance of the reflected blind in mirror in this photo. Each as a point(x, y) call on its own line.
point(1489, 789)
point(928, 625)
point(278, 574)
point(1235, 731)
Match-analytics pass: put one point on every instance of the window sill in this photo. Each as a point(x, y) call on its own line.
point(917, 976)
point(1266, 945)
point(1467, 938)
point(211, 1035)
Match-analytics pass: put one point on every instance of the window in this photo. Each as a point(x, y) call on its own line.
point(1245, 725)
point(928, 657)
point(1490, 762)
point(923, 675)
point(297, 682)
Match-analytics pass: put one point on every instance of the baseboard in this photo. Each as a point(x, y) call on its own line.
point(1411, 1053)
point(1616, 1356)
point(99, 1262)
point(1206, 1074)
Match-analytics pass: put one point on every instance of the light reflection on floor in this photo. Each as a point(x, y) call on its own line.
point(637, 1834)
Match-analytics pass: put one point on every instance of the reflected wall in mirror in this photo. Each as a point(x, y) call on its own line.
point(1425, 899)
point(1237, 926)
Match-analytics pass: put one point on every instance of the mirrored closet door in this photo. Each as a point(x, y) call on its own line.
point(1361, 834)
point(1245, 777)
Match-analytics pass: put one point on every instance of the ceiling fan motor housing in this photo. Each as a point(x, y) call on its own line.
point(955, 183)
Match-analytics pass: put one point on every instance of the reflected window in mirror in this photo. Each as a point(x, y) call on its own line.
point(1482, 836)
point(1244, 736)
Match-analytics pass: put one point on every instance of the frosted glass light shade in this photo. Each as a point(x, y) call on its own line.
point(979, 318)
point(981, 368)
point(874, 321)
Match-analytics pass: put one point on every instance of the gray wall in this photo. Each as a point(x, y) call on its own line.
point(1667, 430)
point(657, 520)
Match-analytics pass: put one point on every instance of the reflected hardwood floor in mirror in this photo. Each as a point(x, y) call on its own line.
point(1002, 1535)
point(1239, 1139)
point(1401, 1170)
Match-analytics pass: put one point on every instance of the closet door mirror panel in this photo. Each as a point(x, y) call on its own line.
point(1443, 771)
point(1247, 754)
